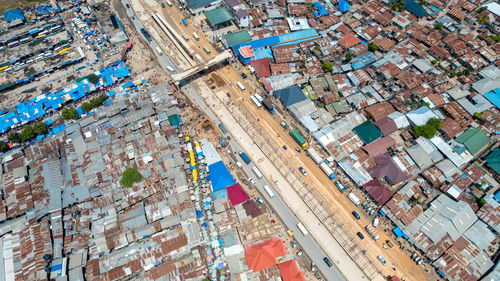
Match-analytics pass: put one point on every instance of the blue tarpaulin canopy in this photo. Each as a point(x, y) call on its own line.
point(13, 15)
point(399, 233)
point(220, 176)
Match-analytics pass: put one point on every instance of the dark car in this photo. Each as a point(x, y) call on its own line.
point(389, 243)
point(360, 235)
point(243, 75)
point(356, 215)
point(228, 94)
point(128, 6)
point(284, 147)
point(328, 262)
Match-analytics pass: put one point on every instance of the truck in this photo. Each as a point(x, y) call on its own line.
point(256, 172)
point(245, 157)
point(184, 21)
point(146, 34)
point(240, 85)
point(376, 221)
point(268, 105)
point(298, 138)
point(372, 232)
point(284, 125)
point(222, 128)
point(302, 229)
point(255, 101)
point(340, 186)
point(269, 191)
point(169, 3)
point(158, 49)
point(185, 37)
point(206, 49)
point(195, 36)
point(259, 98)
point(327, 170)
point(314, 155)
point(354, 199)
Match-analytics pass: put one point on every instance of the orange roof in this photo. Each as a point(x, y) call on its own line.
point(349, 40)
point(290, 271)
point(263, 254)
point(246, 52)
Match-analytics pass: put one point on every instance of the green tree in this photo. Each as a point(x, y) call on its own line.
point(465, 72)
point(434, 123)
point(95, 103)
point(428, 130)
point(372, 47)
point(93, 78)
point(27, 133)
point(317, 48)
point(130, 176)
point(482, 202)
point(422, 2)
point(40, 128)
point(397, 5)
point(327, 66)
point(484, 19)
point(495, 38)
point(348, 57)
point(478, 114)
point(4, 146)
point(14, 137)
point(434, 62)
point(103, 97)
point(69, 114)
point(86, 106)
point(439, 25)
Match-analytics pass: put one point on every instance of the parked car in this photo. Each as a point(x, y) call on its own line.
point(389, 243)
point(284, 147)
point(252, 182)
point(303, 171)
point(243, 75)
point(228, 95)
point(356, 215)
point(298, 149)
point(360, 235)
point(382, 260)
point(328, 262)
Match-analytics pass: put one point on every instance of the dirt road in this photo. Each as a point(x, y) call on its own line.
point(336, 201)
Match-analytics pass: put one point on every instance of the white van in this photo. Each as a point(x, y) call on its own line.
point(169, 68)
point(196, 37)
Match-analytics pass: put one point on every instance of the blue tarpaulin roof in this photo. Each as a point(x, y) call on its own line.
point(343, 6)
point(399, 233)
point(493, 97)
point(319, 10)
point(13, 15)
point(363, 60)
point(48, 122)
point(220, 176)
point(57, 129)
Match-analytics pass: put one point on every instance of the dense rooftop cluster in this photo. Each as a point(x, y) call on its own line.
point(404, 98)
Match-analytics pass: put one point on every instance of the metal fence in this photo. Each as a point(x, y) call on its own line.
point(342, 234)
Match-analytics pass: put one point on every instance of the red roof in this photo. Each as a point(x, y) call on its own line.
point(379, 146)
point(236, 194)
point(378, 191)
point(290, 271)
point(262, 67)
point(263, 254)
point(349, 40)
point(394, 278)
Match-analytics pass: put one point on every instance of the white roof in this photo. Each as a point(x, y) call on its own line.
point(493, 7)
point(446, 149)
point(421, 115)
point(400, 119)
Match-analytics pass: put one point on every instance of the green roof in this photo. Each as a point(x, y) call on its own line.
point(236, 38)
point(474, 139)
point(218, 16)
point(493, 159)
point(368, 132)
point(174, 119)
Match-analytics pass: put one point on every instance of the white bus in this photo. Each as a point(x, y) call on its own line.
point(255, 101)
point(302, 229)
point(169, 68)
point(158, 49)
point(196, 37)
point(257, 172)
point(269, 191)
point(240, 86)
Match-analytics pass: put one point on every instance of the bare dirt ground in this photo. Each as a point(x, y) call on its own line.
point(342, 207)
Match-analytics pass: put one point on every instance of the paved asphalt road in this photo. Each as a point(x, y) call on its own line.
point(162, 59)
point(311, 248)
point(308, 244)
